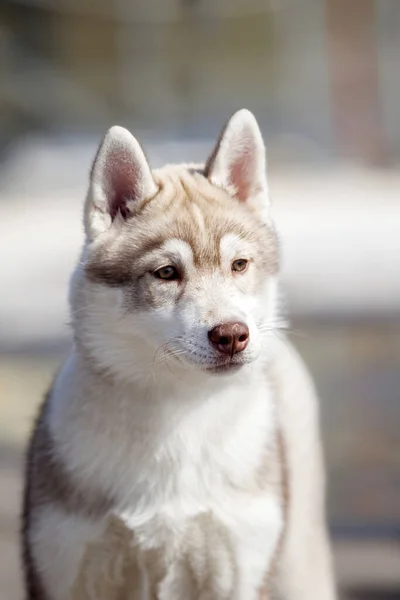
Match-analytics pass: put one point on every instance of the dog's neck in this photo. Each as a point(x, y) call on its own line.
point(168, 379)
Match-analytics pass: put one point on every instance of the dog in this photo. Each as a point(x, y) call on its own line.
point(177, 455)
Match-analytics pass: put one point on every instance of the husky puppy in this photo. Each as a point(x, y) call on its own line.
point(177, 455)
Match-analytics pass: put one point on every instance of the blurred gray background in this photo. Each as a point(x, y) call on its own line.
point(322, 77)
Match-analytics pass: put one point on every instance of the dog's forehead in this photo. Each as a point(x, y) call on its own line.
point(189, 208)
point(209, 221)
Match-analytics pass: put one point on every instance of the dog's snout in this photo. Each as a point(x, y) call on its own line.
point(229, 338)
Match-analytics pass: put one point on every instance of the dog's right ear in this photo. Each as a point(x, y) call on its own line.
point(119, 178)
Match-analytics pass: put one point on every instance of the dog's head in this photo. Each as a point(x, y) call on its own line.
point(179, 266)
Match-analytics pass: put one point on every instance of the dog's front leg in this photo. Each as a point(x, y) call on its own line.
point(198, 566)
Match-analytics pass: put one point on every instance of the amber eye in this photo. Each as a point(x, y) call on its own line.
point(240, 265)
point(168, 273)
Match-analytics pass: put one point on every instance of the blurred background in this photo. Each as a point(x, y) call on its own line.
point(322, 77)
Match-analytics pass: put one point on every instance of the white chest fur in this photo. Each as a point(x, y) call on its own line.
point(183, 472)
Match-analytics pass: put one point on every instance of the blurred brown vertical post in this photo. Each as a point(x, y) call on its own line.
point(354, 74)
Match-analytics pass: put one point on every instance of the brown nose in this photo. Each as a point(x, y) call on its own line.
point(229, 338)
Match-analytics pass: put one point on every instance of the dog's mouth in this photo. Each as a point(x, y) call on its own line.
point(211, 364)
point(227, 367)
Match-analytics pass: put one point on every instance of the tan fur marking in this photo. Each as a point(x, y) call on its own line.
point(51, 482)
point(48, 482)
point(188, 207)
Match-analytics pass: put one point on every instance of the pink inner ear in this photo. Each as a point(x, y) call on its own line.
point(241, 172)
point(239, 175)
point(122, 178)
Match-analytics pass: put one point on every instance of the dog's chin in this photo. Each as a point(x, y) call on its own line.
point(228, 368)
point(215, 365)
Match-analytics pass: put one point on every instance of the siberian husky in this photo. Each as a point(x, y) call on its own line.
point(178, 455)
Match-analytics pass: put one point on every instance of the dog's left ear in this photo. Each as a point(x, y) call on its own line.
point(238, 162)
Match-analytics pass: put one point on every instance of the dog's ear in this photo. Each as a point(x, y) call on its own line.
point(238, 162)
point(119, 178)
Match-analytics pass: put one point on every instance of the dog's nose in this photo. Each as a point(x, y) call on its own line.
point(229, 338)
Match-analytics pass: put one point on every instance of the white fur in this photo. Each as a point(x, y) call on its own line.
point(176, 448)
point(179, 453)
point(170, 465)
point(179, 248)
point(305, 569)
point(233, 247)
point(60, 541)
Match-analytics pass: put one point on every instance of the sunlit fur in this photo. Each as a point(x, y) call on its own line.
point(159, 467)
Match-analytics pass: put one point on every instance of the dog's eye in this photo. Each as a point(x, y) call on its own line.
point(240, 265)
point(168, 273)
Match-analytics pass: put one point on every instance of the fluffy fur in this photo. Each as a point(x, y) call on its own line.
point(161, 466)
